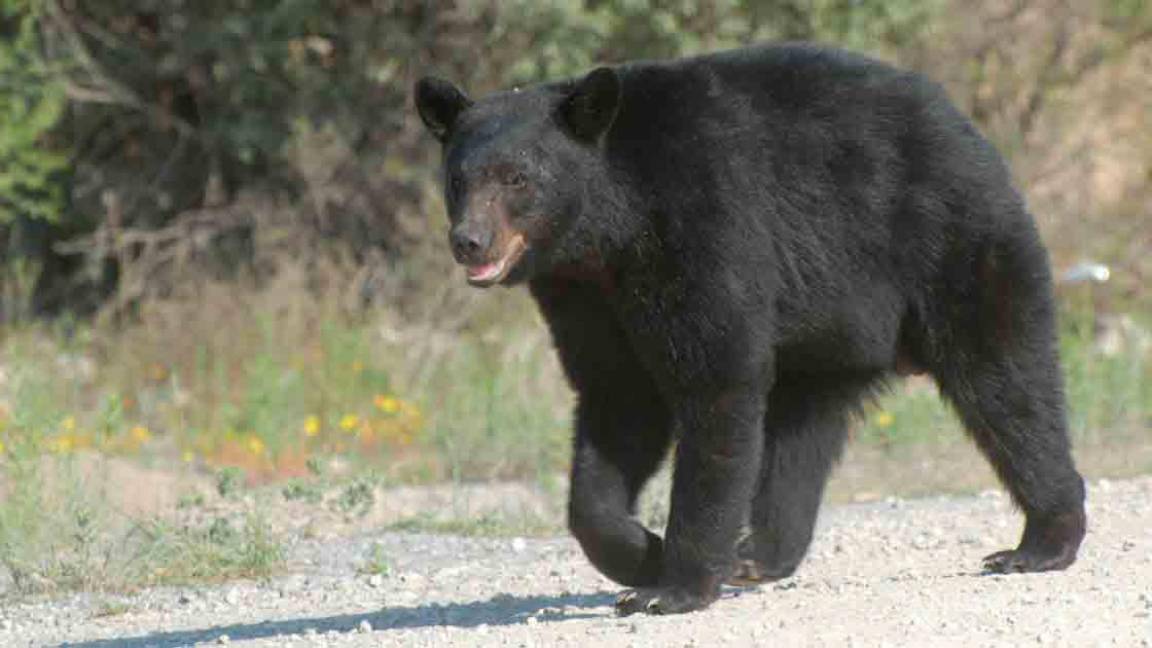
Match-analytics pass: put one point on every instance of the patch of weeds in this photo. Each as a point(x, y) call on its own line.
point(57, 533)
point(356, 499)
point(220, 532)
point(190, 500)
point(111, 609)
point(375, 562)
point(229, 482)
point(315, 466)
point(222, 551)
point(300, 491)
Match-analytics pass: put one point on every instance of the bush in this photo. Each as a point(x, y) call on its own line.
point(31, 103)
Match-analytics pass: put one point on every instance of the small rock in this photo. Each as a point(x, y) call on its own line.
point(7, 625)
point(376, 580)
point(223, 639)
point(533, 620)
point(519, 545)
point(232, 596)
point(365, 626)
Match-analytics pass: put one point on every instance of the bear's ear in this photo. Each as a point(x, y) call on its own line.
point(591, 107)
point(439, 104)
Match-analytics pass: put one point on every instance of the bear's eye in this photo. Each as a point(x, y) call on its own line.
point(515, 179)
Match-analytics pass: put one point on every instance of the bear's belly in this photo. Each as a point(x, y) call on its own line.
point(837, 354)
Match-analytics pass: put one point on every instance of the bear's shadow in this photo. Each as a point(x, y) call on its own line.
point(500, 610)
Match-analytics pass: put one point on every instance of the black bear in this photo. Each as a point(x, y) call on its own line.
point(732, 251)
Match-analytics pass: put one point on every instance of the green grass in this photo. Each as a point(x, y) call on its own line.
point(498, 410)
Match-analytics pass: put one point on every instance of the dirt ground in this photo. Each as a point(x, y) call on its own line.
point(888, 573)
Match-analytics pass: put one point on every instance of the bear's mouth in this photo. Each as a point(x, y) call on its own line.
point(487, 274)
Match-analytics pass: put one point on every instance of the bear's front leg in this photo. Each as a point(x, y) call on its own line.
point(717, 462)
point(621, 436)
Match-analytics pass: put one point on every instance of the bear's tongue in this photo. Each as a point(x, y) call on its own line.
point(486, 271)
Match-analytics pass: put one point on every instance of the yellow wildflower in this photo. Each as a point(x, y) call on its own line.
point(61, 445)
point(386, 404)
point(68, 424)
point(140, 434)
point(884, 419)
point(1, 447)
point(256, 445)
point(188, 456)
point(312, 426)
point(348, 422)
point(357, 367)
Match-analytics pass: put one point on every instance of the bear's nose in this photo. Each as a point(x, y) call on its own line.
point(470, 243)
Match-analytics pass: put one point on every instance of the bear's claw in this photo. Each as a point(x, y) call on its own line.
point(659, 600)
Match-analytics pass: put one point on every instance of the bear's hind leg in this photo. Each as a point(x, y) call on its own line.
point(1014, 410)
point(1002, 374)
point(805, 429)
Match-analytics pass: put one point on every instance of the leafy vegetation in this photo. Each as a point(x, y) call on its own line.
point(31, 104)
point(176, 140)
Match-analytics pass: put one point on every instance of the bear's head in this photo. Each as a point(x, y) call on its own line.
point(521, 170)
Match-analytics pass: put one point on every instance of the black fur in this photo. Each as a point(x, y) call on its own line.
point(732, 251)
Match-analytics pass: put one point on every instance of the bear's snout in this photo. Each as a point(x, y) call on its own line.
point(471, 242)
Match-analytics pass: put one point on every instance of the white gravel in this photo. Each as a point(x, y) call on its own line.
point(894, 573)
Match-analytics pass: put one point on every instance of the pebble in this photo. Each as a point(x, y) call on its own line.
point(365, 626)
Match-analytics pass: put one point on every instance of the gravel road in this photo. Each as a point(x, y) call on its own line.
point(892, 573)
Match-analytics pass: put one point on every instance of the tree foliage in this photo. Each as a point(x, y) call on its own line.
point(31, 103)
point(129, 115)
